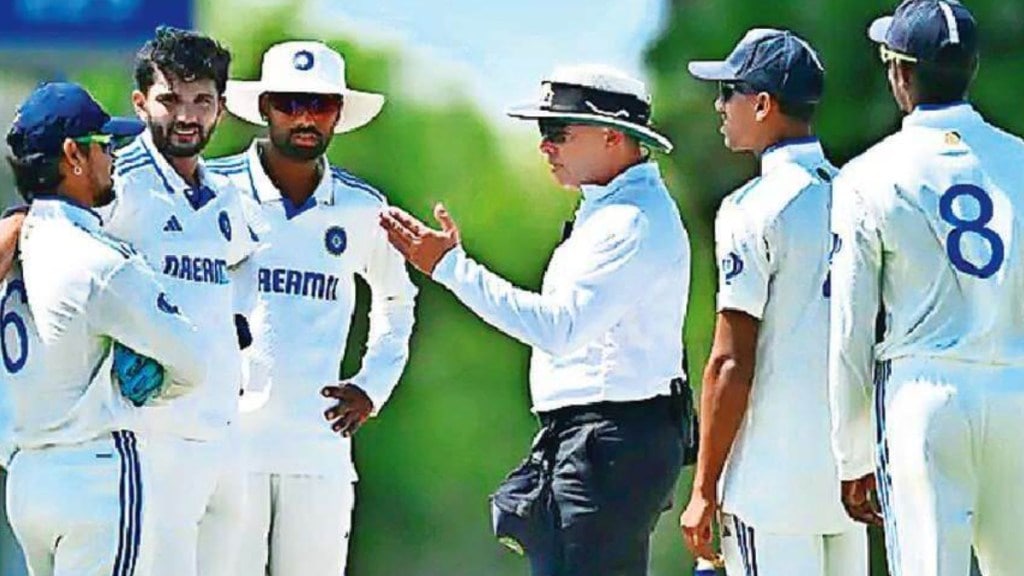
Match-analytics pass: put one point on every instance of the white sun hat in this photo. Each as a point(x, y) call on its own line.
point(596, 94)
point(307, 68)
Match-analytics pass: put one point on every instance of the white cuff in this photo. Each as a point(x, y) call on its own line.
point(444, 271)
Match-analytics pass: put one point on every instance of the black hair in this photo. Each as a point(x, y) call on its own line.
point(185, 54)
point(35, 174)
point(945, 81)
point(800, 111)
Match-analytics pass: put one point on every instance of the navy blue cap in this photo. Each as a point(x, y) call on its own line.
point(56, 111)
point(774, 61)
point(929, 30)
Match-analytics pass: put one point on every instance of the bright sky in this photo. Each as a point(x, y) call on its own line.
point(500, 49)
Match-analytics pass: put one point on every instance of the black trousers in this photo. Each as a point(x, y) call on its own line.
point(611, 469)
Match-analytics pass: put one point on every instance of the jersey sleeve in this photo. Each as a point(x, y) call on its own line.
point(603, 288)
point(392, 302)
point(243, 221)
point(854, 304)
point(133, 308)
point(744, 263)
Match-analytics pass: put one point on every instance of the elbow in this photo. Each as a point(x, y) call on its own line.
point(728, 372)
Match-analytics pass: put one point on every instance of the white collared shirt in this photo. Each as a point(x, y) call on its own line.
point(772, 241)
point(81, 290)
point(194, 246)
point(305, 276)
point(608, 322)
point(928, 221)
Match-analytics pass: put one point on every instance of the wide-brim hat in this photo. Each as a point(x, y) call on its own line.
point(306, 68)
point(598, 95)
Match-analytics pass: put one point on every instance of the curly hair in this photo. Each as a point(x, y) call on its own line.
point(185, 54)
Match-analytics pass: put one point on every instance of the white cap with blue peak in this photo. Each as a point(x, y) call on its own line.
point(305, 68)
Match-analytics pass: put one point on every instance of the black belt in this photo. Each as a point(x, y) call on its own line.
point(607, 410)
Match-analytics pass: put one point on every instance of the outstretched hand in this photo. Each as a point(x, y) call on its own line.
point(421, 245)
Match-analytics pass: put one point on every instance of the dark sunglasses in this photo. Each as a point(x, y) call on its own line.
point(296, 103)
point(553, 131)
point(726, 90)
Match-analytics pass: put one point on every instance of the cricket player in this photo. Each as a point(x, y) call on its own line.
point(319, 231)
point(765, 461)
point(190, 225)
point(77, 495)
point(606, 332)
point(926, 291)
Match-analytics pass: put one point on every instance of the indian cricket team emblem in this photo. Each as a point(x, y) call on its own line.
point(335, 240)
point(732, 266)
point(547, 95)
point(303, 60)
point(225, 225)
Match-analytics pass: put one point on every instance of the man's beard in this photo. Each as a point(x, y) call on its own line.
point(162, 138)
point(283, 143)
point(104, 196)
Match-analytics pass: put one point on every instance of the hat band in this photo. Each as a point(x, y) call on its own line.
point(572, 99)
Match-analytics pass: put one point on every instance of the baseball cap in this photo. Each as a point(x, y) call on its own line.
point(774, 61)
point(929, 30)
point(56, 111)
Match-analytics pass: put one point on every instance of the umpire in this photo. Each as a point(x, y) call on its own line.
point(606, 331)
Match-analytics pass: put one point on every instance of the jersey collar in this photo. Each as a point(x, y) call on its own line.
point(265, 191)
point(942, 117)
point(806, 152)
point(56, 207)
point(638, 172)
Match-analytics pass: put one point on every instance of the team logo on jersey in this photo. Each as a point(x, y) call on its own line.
point(303, 60)
point(225, 225)
point(732, 266)
point(335, 240)
point(165, 305)
point(172, 225)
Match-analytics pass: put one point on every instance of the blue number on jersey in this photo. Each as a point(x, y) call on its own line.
point(962, 226)
point(12, 318)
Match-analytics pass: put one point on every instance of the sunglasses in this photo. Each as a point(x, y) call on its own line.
point(726, 90)
point(297, 103)
point(106, 142)
point(889, 55)
point(553, 131)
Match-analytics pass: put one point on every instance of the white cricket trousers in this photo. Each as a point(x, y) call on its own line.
point(198, 502)
point(951, 466)
point(297, 525)
point(78, 510)
point(12, 560)
point(752, 552)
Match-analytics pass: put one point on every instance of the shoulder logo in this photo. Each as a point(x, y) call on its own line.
point(225, 225)
point(732, 266)
point(165, 305)
point(303, 60)
point(335, 240)
point(172, 225)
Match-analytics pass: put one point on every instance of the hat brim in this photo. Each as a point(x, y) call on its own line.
point(646, 134)
point(716, 71)
point(879, 28)
point(123, 127)
point(359, 108)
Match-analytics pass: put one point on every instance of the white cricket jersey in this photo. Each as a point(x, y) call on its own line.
point(608, 322)
point(83, 291)
point(772, 241)
point(193, 238)
point(305, 277)
point(928, 222)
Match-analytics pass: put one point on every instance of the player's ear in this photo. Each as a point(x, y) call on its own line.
point(139, 104)
point(75, 156)
point(264, 105)
point(762, 106)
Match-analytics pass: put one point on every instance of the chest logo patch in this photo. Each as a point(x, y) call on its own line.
point(335, 240)
point(225, 225)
